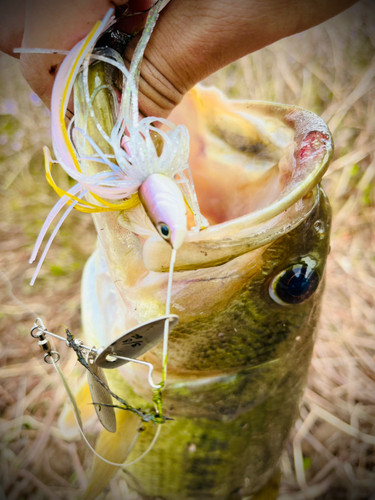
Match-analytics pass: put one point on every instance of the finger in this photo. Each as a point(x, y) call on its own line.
point(12, 20)
point(56, 24)
point(193, 39)
point(135, 16)
point(130, 21)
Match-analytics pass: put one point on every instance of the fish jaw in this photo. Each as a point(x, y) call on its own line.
point(166, 208)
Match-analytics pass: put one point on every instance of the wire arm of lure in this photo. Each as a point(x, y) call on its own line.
point(146, 417)
point(39, 325)
point(78, 347)
point(145, 363)
point(41, 329)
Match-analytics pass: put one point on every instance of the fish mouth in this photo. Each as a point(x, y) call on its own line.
point(256, 167)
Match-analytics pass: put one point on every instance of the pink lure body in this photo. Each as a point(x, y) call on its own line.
point(166, 208)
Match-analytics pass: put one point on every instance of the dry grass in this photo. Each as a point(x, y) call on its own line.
point(331, 455)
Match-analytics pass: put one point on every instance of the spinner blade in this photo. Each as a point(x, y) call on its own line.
point(134, 343)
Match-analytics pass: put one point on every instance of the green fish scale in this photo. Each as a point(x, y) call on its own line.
point(233, 448)
point(211, 459)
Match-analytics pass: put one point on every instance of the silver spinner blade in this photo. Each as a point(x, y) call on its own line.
point(100, 396)
point(134, 343)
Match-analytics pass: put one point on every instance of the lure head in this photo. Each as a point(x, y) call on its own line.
point(166, 208)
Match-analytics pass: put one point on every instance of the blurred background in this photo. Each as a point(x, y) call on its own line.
point(330, 70)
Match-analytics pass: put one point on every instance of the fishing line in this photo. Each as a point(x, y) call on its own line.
point(21, 50)
point(70, 127)
point(167, 313)
point(11, 294)
point(77, 417)
point(155, 438)
point(69, 393)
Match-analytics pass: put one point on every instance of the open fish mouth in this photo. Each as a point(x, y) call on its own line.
point(255, 166)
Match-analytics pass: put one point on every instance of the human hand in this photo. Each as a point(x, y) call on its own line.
point(192, 39)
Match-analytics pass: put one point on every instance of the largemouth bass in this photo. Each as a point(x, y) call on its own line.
point(247, 290)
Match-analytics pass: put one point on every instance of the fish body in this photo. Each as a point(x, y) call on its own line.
point(238, 359)
point(236, 372)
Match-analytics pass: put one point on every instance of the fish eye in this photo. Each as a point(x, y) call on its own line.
point(164, 230)
point(295, 284)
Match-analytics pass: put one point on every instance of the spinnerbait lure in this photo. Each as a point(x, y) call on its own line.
point(138, 172)
point(133, 165)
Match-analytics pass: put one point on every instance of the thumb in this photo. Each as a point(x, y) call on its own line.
point(56, 24)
